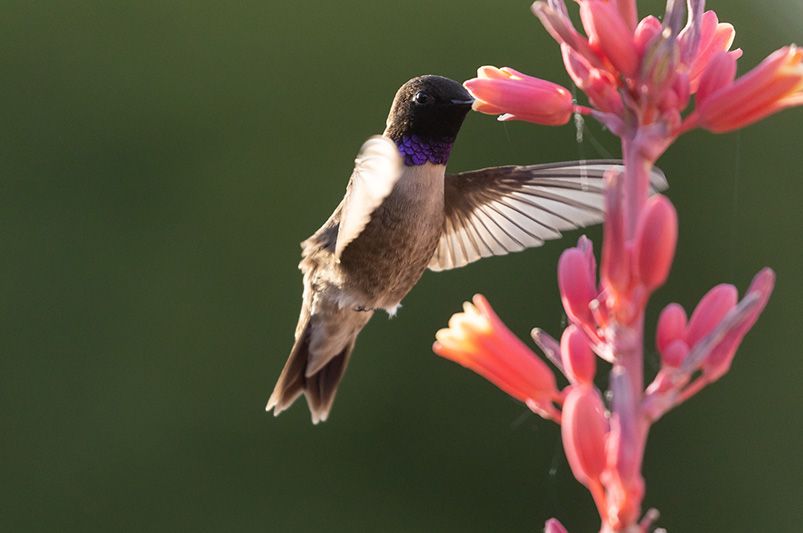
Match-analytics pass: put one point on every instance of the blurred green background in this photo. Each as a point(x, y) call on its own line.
point(161, 160)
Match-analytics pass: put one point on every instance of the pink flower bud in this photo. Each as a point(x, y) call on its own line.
point(719, 360)
point(600, 86)
point(579, 361)
point(516, 96)
point(715, 37)
point(583, 431)
point(585, 245)
point(576, 65)
point(554, 526)
point(671, 326)
point(681, 88)
point(576, 284)
point(615, 267)
point(602, 91)
point(607, 30)
point(646, 30)
point(709, 312)
point(627, 10)
point(674, 353)
point(478, 340)
point(656, 236)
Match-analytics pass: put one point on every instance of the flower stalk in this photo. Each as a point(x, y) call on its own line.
point(639, 77)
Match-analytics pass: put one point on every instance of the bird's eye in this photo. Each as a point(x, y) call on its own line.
point(422, 98)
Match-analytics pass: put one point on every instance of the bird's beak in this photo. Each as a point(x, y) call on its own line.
point(462, 103)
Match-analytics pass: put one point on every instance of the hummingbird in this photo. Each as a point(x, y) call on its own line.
point(402, 213)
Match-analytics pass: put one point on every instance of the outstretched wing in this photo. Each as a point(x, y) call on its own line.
point(376, 170)
point(495, 211)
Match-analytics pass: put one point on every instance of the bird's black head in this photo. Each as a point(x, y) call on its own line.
point(431, 108)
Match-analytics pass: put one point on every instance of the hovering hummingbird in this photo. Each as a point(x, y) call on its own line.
point(403, 214)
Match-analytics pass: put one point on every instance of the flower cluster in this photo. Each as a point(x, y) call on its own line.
point(639, 76)
point(637, 73)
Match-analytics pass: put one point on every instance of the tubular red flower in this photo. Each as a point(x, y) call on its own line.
point(656, 236)
point(776, 84)
point(584, 429)
point(517, 96)
point(478, 340)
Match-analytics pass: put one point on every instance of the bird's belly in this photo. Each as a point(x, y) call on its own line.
point(392, 252)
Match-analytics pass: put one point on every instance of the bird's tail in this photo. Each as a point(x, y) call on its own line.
point(317, 361)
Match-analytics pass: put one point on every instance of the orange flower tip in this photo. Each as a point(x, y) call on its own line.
point(490, 72)
point(480, 301)
point(443, 335)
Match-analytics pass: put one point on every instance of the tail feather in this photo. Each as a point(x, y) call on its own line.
point(319, 388)
point(291, 382)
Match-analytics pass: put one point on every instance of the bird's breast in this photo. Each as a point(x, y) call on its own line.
point(389, 256)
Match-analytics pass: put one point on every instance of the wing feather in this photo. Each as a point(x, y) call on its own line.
point(377, 168)
point(500, 210)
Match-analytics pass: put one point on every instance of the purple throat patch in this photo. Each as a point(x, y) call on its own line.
point(416, 151)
